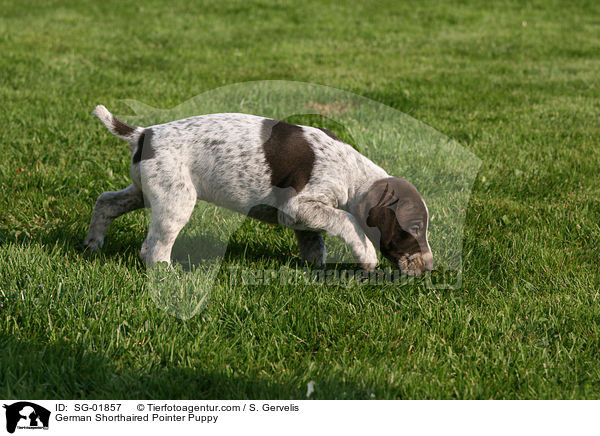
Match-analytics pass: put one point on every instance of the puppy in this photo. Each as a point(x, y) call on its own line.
point(304, 178)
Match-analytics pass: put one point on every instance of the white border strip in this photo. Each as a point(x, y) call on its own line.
point(313, 417)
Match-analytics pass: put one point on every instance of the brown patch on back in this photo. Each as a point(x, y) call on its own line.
point(289, 155)
point(122, 128)
point(138, 152)
point(144, 149)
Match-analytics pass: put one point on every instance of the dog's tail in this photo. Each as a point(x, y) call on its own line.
point(117, 127)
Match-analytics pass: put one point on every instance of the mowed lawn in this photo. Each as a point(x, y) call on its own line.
point(515, 83)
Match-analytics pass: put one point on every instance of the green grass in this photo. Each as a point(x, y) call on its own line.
point(516, 84)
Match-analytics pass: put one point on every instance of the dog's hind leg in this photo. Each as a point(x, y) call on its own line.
point(312, 246)
point(110, 205)
point(171, 210)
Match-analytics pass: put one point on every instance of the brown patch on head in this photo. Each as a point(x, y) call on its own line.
point(289, 155)
point(395, 218)
point(122, 128)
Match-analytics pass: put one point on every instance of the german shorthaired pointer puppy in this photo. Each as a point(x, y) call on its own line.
point(304, 178)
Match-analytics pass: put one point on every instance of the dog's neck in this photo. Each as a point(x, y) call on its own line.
point(369, 174)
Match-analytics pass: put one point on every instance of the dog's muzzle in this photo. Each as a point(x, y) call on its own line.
point(416, 264)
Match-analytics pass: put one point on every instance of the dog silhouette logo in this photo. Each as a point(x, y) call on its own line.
point(26, 415)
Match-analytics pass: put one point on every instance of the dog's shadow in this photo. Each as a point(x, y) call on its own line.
point(190, 251)
point(195, 250)
point(253, 243)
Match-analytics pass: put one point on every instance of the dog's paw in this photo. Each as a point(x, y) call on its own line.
point(92, 244)
point(316, 258)
point(369, 267)
point(369, 261)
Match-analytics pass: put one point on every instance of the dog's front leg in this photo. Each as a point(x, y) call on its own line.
point(110, 205)
point(319, 216)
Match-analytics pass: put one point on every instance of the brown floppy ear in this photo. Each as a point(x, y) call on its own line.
point(377, 213)
point(383, 219)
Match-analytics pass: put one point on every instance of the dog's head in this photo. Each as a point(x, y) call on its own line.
point(395, 218)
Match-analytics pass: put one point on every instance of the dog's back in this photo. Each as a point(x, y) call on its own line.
point(239, 161)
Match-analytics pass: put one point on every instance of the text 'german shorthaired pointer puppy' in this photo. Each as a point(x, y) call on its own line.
point(304, 178)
